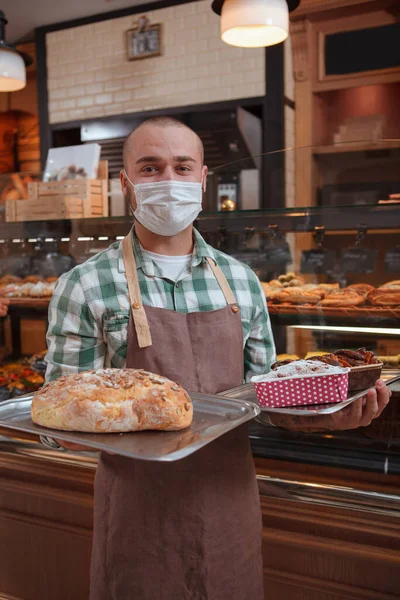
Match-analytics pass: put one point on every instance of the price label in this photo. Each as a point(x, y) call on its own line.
point(392, 260)
point(317, 261)
point(358, 260)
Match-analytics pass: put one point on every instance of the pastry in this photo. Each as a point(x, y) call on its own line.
point(391, 361)
point(343, 298)
point(112, 400)
point(316, 353)
point(329, 287)
point(281, 357)
point(6, 279)
point(21, 291)
point(51, 279)
point(361, 288)
point(356, 358)
point(298, 296)
point(391, 284)
point(300, 368)
point(32, 279)
point(384, 297)
point(42, 290)
point(271, 292)
point(290, 280)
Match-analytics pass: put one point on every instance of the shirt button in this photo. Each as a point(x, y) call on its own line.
point(136, 305)
point(235, 309)
point(177, 285)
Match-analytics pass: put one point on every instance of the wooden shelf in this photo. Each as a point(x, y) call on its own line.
point(30, 302)
point(344, 148)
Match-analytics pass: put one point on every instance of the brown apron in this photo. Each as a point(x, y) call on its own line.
point(190, 529)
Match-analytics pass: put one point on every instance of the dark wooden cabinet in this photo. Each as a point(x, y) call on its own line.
point(311, 552)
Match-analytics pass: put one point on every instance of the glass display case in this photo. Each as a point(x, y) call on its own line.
point(311, 485)
point(322, 266)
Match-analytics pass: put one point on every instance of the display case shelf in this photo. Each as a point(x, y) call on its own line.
point(344, 148)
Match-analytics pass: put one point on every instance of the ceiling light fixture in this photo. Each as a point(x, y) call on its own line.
point(254, 23)
point(12, 62)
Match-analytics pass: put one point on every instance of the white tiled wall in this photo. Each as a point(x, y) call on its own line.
point(89, 74)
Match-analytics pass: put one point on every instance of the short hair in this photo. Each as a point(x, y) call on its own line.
point(161, 121)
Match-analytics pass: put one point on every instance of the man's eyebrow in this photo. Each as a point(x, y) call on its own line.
point(145, 159)
point(153, 159)
point(184, 158)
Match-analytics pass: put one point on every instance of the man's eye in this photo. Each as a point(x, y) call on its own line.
point(148, 169)
point(184, 168)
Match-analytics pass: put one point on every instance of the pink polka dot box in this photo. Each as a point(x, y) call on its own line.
point(298, 390)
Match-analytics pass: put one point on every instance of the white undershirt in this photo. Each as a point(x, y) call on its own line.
point(170, 266)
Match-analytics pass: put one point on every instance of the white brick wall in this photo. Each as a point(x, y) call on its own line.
point(89, 74)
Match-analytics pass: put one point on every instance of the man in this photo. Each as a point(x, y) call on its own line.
point(165, 301)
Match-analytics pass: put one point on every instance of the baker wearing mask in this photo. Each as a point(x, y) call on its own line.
point(189, 529)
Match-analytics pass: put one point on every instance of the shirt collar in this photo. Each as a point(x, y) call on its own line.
point(201, 251)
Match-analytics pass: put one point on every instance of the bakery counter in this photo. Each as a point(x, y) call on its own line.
point(367, 449)
point(330, 526)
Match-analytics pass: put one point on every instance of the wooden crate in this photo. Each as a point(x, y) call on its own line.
point(69, 199)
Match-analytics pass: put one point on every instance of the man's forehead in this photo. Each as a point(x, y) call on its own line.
point(151, 139)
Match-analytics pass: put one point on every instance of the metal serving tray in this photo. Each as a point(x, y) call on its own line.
point(213, 416)
point(247, 392)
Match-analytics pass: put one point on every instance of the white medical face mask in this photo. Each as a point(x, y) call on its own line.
point(167, 207)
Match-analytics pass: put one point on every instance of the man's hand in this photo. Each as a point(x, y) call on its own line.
point(4, 302)
point(358, 414)
point(74, 447)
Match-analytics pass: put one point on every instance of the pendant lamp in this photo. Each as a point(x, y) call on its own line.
point(12, 62)
point(254, 23)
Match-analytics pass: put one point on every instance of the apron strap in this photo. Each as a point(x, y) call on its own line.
point(220, 277)
point(138, 313)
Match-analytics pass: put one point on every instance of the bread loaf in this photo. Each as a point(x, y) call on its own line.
point(112, 400)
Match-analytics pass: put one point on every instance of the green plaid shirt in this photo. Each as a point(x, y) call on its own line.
point(89, 310)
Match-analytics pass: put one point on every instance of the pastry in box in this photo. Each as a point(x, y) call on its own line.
point(300, 383)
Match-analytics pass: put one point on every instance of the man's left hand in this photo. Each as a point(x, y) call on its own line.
point(358, 414)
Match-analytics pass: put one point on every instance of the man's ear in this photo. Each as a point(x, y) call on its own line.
point(204, 172)
point(127, 190)
point(124, 181)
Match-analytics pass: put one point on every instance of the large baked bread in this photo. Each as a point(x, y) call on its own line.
point(112, 400)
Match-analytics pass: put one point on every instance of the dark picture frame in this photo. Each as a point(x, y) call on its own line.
point(144, 41)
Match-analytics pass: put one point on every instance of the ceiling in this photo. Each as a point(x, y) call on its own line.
point(25, 15)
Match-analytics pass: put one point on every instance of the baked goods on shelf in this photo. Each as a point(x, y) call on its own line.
point(7, 279)
point(287, 357)
point(17, 379)
point(385, 297)
point(290, 280)
point(391, 361)
point(112, 400)
point(361, 288)
point(38, 363)
point(283, 292)
point(41, 289)
point(343, 297)
point(32, 279)
point(299, 296)
point(391, 284)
